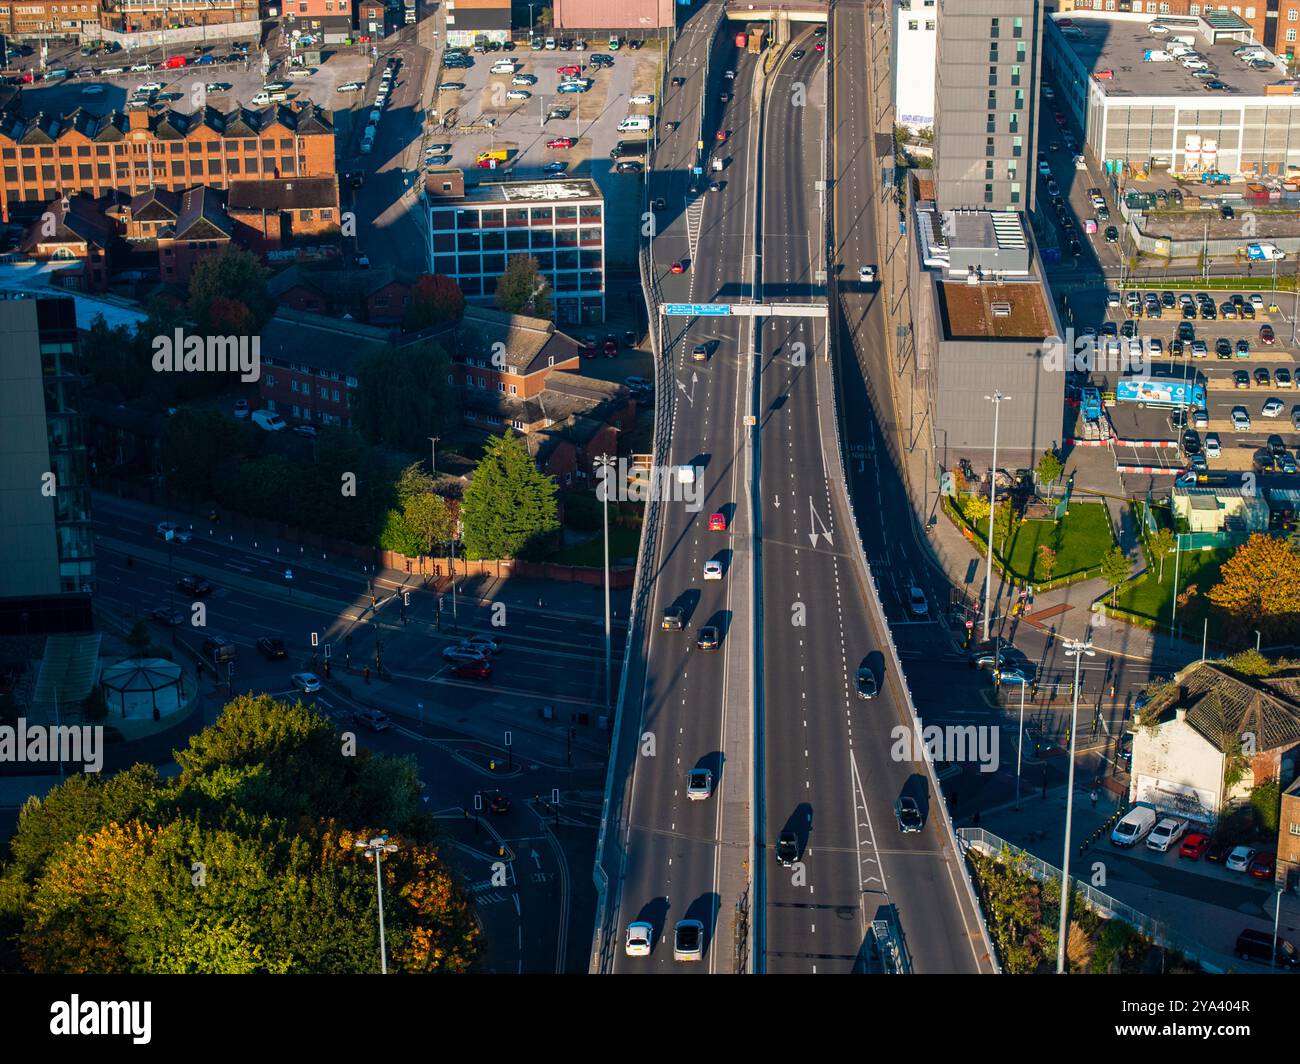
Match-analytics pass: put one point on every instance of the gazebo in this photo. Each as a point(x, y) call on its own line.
point(139, 688)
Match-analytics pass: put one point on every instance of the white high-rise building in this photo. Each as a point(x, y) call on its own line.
point(915, 41)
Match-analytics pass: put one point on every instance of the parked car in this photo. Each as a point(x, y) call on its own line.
point(1239, 859)
point(1194, 846)
point(1168, 831)
point(1253, 945)
point(1261, 866)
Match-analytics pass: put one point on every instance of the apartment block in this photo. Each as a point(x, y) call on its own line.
point(986, 103)
point(913, 50)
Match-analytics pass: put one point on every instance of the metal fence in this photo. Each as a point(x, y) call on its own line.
point(1101, 903)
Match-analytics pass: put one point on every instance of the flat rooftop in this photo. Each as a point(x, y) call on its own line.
point(561, 190)
point(1113, 44)
point(994, 311)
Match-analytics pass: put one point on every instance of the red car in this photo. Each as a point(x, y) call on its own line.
point(722, 135)
point(561, 142)
point(1060, 119)
point(1261, 866)
point(819, 47)
point(717, 523)
point(1194, 846)
point(569, 71)
point(676, 267)
point(1266, 334)
point(473, 670)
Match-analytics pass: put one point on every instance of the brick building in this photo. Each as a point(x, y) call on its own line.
point(49, 18)
point(1275, 23)
point(77, 233)
point(330, 18)
point(309, 364)
point(468, 19)
point(370, 18)
point(201, 228)
point(136, 16)
point(270, 214)
point(377, 296)
point(46, 155)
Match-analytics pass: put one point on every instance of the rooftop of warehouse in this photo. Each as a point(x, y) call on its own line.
point(1014, 311)
point(1102, 43)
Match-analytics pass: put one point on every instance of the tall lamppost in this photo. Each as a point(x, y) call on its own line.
point(433, 454)
point(605, 463)
point(1074, 648)
point(376, 848)
point(997, 399)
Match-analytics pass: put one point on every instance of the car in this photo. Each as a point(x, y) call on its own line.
point(1197, 463)
point(1208, 313)
point(1167, 300)
point(867, 274)
point(149, 86)
point(642, 99)
point(1228, 311)
point(1191, 442)
point(628, 166)
point(168, 616)
point(1267, 336)
point(484, 643)
point(712, 570)
point(658, 204)
point(1168, 831)
point(1075, 249)
point(523, 79)
point(272, 648)
point(1112, 299)
point(708, 638)
point(1212, 446)
point(1287, 464)
point(561, 142)
point(570, 70)
point(1186, 331)
point(1273, 407)
point(1218, 852)
point(1112, 235)
point(1295, 418)
point(1188, 312)
point(1261, 377)
point(1198, 349)
point(460, 653)
point(1019, 676)
point(306, 682)
point(1243, 348)
point(699, 784)
point(678, 82)
point(1262, 866)
point(1265, 462)
point(819, 47)
point(497, 803)
point(989, 657)
point(1155, 348)
point(1226, 212)
point(172, 532)
point(865, 683)
point(700, 353)
point(721, 135)
point(446, 86)
point(917, 602)
point(194, 585)
point(1109, 328)
point(688, 940)
point(908, 815)
point(1276, 446)
point(519, 94)
point(480, 669)
point(350, 86)
point(305, 430)
point(715, 186)
point(1218, 86)
point(798, 53)
point(1240, 379)
point(1222, 347)
point(638, 939)
point(787, 848)
point(677, 267)
point(1240, 419)
point(218, 86)
point(371, 718)
point(555, 168)
point(1239, 859)
point(1194, 845)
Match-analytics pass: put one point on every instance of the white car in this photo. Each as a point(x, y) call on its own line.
point(1239, 858)
point(139, 67)
point(917, 602)
point(699, 784)
point(306, 682)
point(1257, 301)
point(866, 273)
point(1273, 408)
point(149, 86)
point(640, 936)
point(519, 94)
point(461, 654)
point(350, 86)
point(523, 79)
point(484, 643)
point(1166, 833)
point(1212, 449)
point(712, 570)
point(729, 74)
point(1240, 419)
point(643, 98)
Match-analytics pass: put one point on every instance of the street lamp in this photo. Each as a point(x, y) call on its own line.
point(997, 399)
point(376, 848)
point(605, 463)
point(433, 454)
point(1074, 648)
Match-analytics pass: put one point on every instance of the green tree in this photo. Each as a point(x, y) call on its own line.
point(218, 281)
point(1162, 544)
point(1004, 523)
point(1115, 569)
point(975, 508)
point(1049, 468)
point(403, 396)
point(430, 521)
point(434, 299)
point(1046, 562)
point(1266, 800)
point(197, 443)
point(139, 639)
point(522, 289)
point(509, 508)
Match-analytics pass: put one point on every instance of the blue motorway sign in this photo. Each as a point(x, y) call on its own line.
point(697, 310)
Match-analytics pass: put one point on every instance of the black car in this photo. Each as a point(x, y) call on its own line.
point(271, 648)
point(1276, 446)
point(1189, 310)
point(679, 81)
point(1208, 312)
point(168, 616)
point(1186, 331)
point(708, 638)
point(1226, 211)
point(1223, 347)
point(1112, 235)
point(798, 53)
point(194, 585)
point(1191, 442)
point(1176, 349)
point(908, 814)
point(1167, 300)
point(787, 848)
point(865, 683)
point(1218, 852)
point(1075, 249)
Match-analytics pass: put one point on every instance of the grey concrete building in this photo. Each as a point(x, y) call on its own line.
point(47, 566)
point(986, 103)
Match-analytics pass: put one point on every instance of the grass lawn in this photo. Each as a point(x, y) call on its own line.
point(623, 543)
point(1079, 539)
point(1152, 598)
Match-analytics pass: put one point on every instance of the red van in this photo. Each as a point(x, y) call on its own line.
point(174, 61)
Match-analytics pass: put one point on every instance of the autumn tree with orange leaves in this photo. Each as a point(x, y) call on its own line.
point(1259, 588)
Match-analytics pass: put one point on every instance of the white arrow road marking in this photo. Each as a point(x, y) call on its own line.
point(690, 396)
point(817, 522)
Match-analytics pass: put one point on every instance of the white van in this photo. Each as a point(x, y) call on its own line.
point(1133, 828)
point(269, 420)
point(503, 66)
point(686, 474)
point(1178, 49)
point(635, 124)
